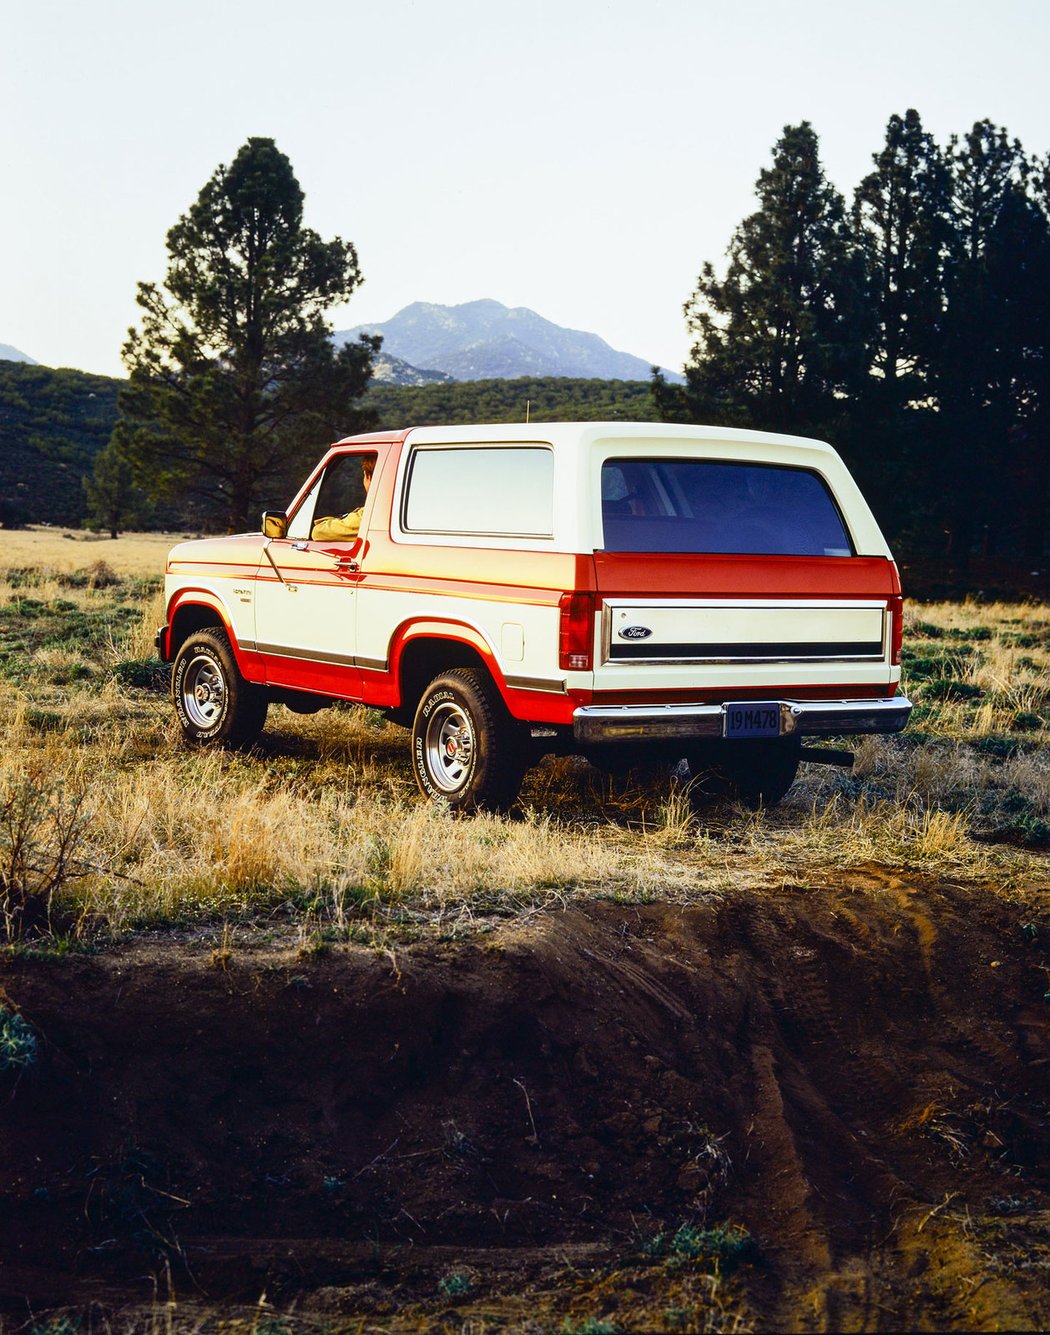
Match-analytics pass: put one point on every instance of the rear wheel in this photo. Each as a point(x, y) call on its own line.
point(759, 773)
point(214, 703)
point(467, 752)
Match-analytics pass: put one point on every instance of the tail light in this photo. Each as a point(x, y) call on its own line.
point(895, 607)
point(576, 632)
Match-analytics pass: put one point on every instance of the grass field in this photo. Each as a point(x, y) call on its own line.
point(104, 815)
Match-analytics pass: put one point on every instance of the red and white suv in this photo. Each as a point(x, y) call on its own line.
point(617, 589)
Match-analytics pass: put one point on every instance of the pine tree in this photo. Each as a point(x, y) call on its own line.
point(232, 374)
point(114, 502)
point(981, 335)
point(901, 218)
point(781, 338)
point(901, 224)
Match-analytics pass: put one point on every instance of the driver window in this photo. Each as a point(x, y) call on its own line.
point(299, 524)
point(338, 497)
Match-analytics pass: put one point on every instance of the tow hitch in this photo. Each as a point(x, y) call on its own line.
point(826, 755)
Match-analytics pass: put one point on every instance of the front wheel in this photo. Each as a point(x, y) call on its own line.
point(759, 773)
point(467, 752)
point(214, 703)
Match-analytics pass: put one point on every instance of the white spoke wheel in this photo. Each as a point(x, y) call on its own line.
point(203, 690)
point(214, 704)
point(467, 751)
point(450, 746)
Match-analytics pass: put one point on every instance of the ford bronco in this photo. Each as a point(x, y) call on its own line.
point(620, 590)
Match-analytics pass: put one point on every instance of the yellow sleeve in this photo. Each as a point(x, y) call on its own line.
point(334, 528)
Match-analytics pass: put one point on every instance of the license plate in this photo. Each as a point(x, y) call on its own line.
point(753, 719)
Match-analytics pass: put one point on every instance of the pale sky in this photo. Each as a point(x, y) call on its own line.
point(580, 157)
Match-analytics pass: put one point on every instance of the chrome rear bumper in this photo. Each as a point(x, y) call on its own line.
point(807, 718)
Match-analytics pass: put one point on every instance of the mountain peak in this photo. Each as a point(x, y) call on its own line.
point(10, 354)
point(484, 339)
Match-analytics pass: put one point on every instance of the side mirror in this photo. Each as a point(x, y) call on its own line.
point(274, 524)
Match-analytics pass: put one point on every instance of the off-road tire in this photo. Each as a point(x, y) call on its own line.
point(214, 704)
point(757, 773)
point(467, 751)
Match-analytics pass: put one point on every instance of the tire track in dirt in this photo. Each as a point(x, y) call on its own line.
point(824, 1065)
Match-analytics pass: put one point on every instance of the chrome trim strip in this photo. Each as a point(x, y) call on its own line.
point(373, 664)
point(804, 652)
point(848, 604)
point(612, 659)
point(306, 655)
point(536, 684)
point(672, 662)
point(812, 718)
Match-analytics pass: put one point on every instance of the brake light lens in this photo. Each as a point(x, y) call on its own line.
point(895, 607)
point(576, 632)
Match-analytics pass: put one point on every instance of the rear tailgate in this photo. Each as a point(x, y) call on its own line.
point(710, 626)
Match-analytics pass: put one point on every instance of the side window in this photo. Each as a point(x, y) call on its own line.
point(498, 491)
point(339, 491)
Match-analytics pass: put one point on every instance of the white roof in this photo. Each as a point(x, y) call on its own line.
point(580, 448)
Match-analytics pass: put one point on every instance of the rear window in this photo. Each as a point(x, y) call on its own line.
point(504, 492)
point(707, 505)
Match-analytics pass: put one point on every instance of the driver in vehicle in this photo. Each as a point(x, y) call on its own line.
point(343, 528)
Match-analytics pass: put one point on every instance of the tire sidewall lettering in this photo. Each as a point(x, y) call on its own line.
point(190, 729)
point(438, 698)
point(423, 774)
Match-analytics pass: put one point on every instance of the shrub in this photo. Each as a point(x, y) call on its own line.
point(725, 1244)
point(947, 688)
point(101, 575)
point(454, 1285)
point(148, 674)
point(18, 1042)
point(43, 827)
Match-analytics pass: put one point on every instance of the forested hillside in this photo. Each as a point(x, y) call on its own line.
point(52, 425)
point(546, 399)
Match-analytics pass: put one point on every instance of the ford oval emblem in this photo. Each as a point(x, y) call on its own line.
point(634, 633)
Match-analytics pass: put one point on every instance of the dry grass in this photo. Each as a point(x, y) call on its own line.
point(321, 825)
point(66, 550)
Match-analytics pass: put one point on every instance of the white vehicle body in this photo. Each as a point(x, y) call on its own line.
point(602, 584)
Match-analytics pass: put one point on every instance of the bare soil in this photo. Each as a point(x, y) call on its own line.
point(565, 1123)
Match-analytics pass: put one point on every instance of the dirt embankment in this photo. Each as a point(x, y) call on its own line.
point(553, 1122)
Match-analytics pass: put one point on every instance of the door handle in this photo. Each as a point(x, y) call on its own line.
point(346, 563)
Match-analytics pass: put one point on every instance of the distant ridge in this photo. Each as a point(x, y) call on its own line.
point(485, 340)
point(387, 370)
point(10, 354)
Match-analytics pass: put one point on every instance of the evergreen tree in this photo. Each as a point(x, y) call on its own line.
point(232, 374)
point(901, 223)
point(901, 218)
point(985, 325)
point(782, 337)
point(114, 502)
point(1017, 262)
